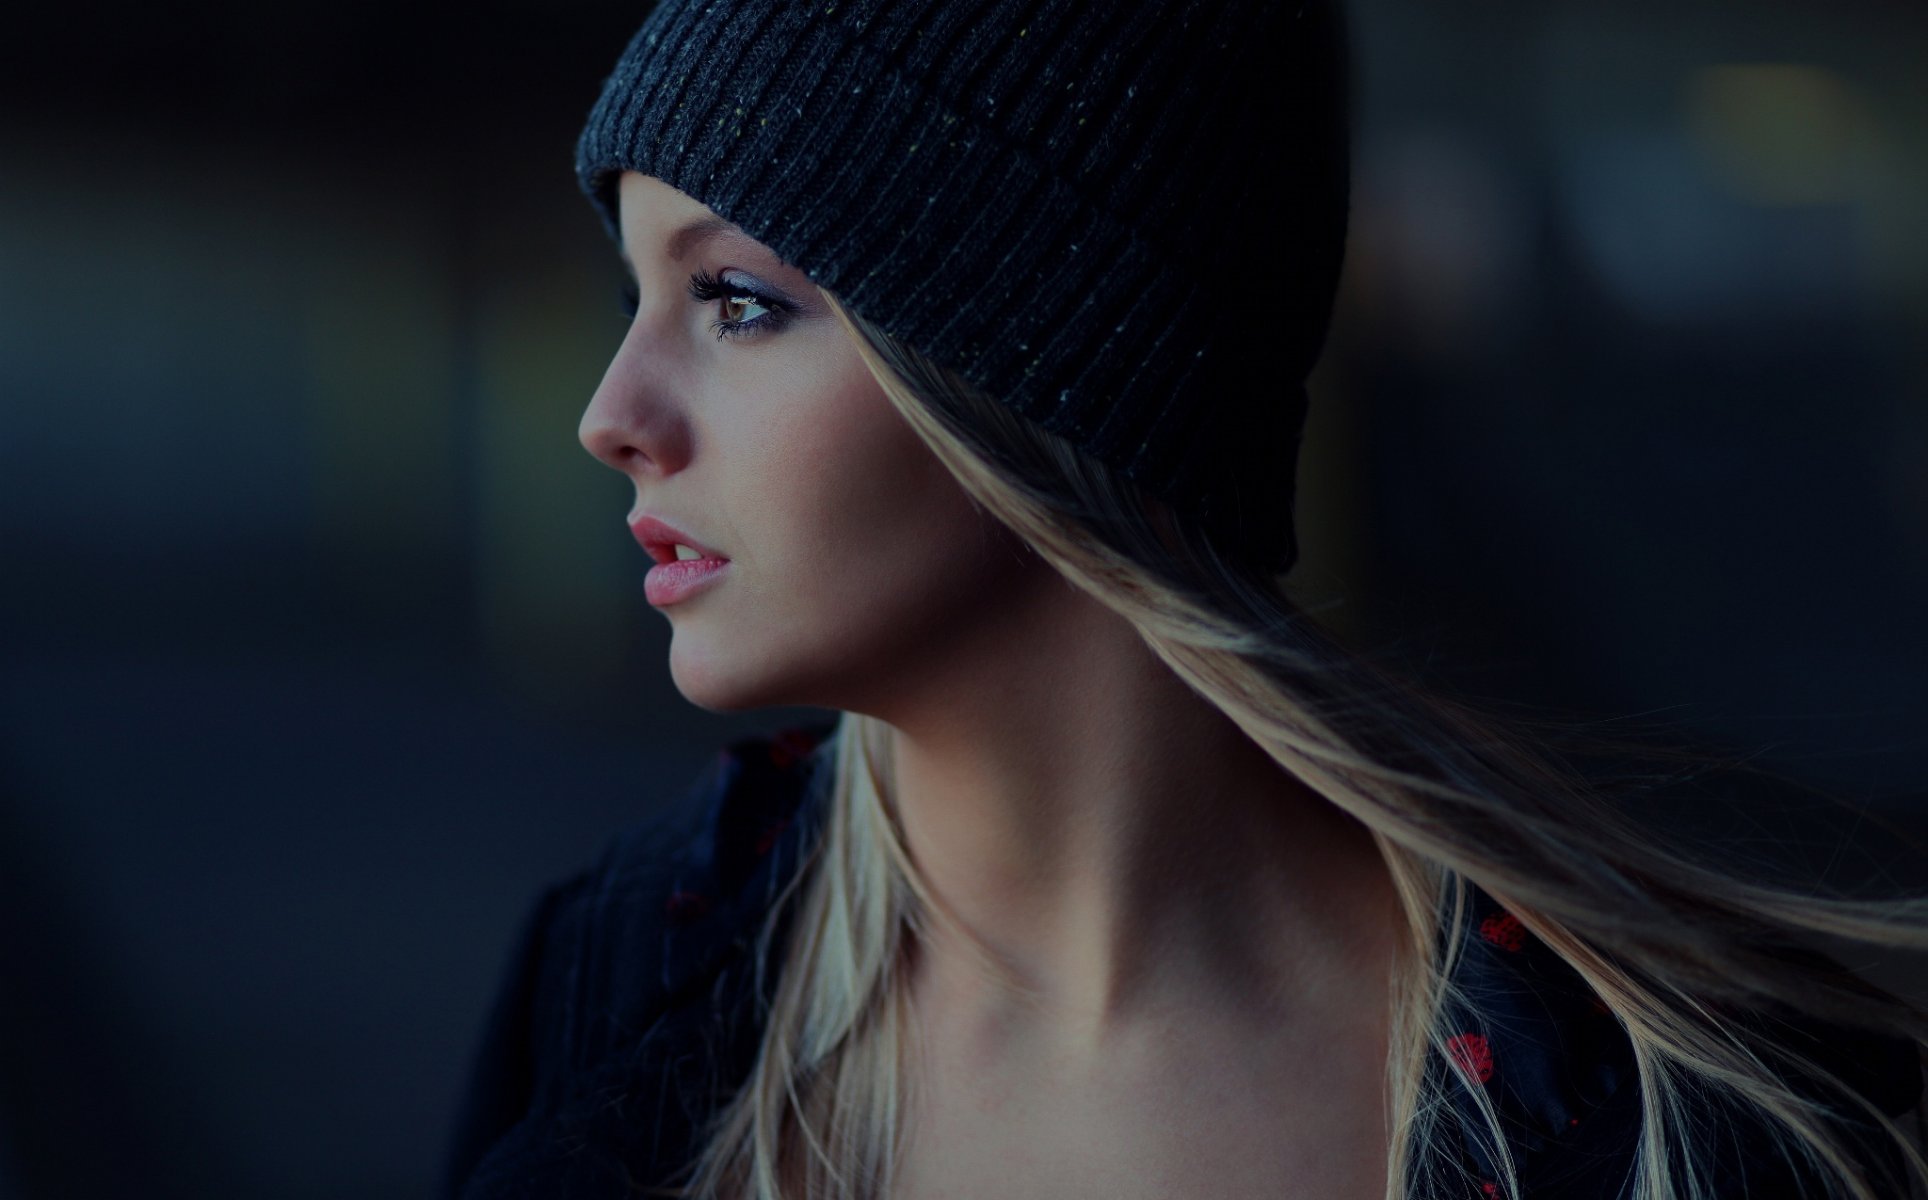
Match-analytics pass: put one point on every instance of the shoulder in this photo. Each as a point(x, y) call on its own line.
point(1559, 1070)
point(631, 973)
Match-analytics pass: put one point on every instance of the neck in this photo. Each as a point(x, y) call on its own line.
point(1117, 841)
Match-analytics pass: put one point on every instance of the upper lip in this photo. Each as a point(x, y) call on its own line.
point(661, 538)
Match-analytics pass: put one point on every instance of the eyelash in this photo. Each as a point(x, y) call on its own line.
point(705, 288)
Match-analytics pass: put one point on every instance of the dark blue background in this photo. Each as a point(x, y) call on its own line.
point(322, 643)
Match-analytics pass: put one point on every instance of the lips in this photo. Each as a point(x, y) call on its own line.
point(673, 582)
point(660, 539)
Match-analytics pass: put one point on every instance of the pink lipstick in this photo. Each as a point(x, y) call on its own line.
point(675, 577)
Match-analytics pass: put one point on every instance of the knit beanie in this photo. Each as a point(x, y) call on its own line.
point(1122, 219)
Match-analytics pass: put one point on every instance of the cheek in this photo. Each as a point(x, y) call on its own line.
point(872, 530)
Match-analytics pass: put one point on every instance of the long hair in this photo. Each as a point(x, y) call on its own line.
point(1679, 943)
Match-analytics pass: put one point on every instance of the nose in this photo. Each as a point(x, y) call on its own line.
point(631, 423)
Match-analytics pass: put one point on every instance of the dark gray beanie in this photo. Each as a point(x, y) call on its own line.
point(1123, 219)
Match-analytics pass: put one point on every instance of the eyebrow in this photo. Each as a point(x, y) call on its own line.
point(701, 230)
point(689, 236)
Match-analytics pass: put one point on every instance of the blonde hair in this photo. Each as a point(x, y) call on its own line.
point(1677, 943)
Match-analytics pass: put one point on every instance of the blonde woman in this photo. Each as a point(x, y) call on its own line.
point(961, 397)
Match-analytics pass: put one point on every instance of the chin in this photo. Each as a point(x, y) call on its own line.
point(706, 683)
point(714, 681)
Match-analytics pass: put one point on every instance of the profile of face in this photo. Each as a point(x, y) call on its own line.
point(738, 408)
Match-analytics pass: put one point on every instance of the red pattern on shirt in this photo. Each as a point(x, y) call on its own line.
point(1504, 930)
point(1472, 1055)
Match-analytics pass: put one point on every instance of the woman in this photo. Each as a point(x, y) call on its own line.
point(1113, 876)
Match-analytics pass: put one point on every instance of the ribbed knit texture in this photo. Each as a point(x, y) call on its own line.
point(1124, 220)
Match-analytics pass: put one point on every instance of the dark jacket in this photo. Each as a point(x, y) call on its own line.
point(629, 1012)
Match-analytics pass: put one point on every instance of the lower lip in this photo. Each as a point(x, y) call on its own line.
point(669, 582)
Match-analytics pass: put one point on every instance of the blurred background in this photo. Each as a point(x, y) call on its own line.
point(324, 645)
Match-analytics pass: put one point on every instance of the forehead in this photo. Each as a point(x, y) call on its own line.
point(651, 198)
point(657, 219)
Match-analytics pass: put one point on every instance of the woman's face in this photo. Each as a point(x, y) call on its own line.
point(852, 553)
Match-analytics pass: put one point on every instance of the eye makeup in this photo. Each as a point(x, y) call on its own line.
point(705, 288)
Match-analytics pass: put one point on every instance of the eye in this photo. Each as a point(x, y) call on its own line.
point(706, 288)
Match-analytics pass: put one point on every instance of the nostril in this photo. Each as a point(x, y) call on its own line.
point(594, 440)
point(604, 439)
point(631, 423)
